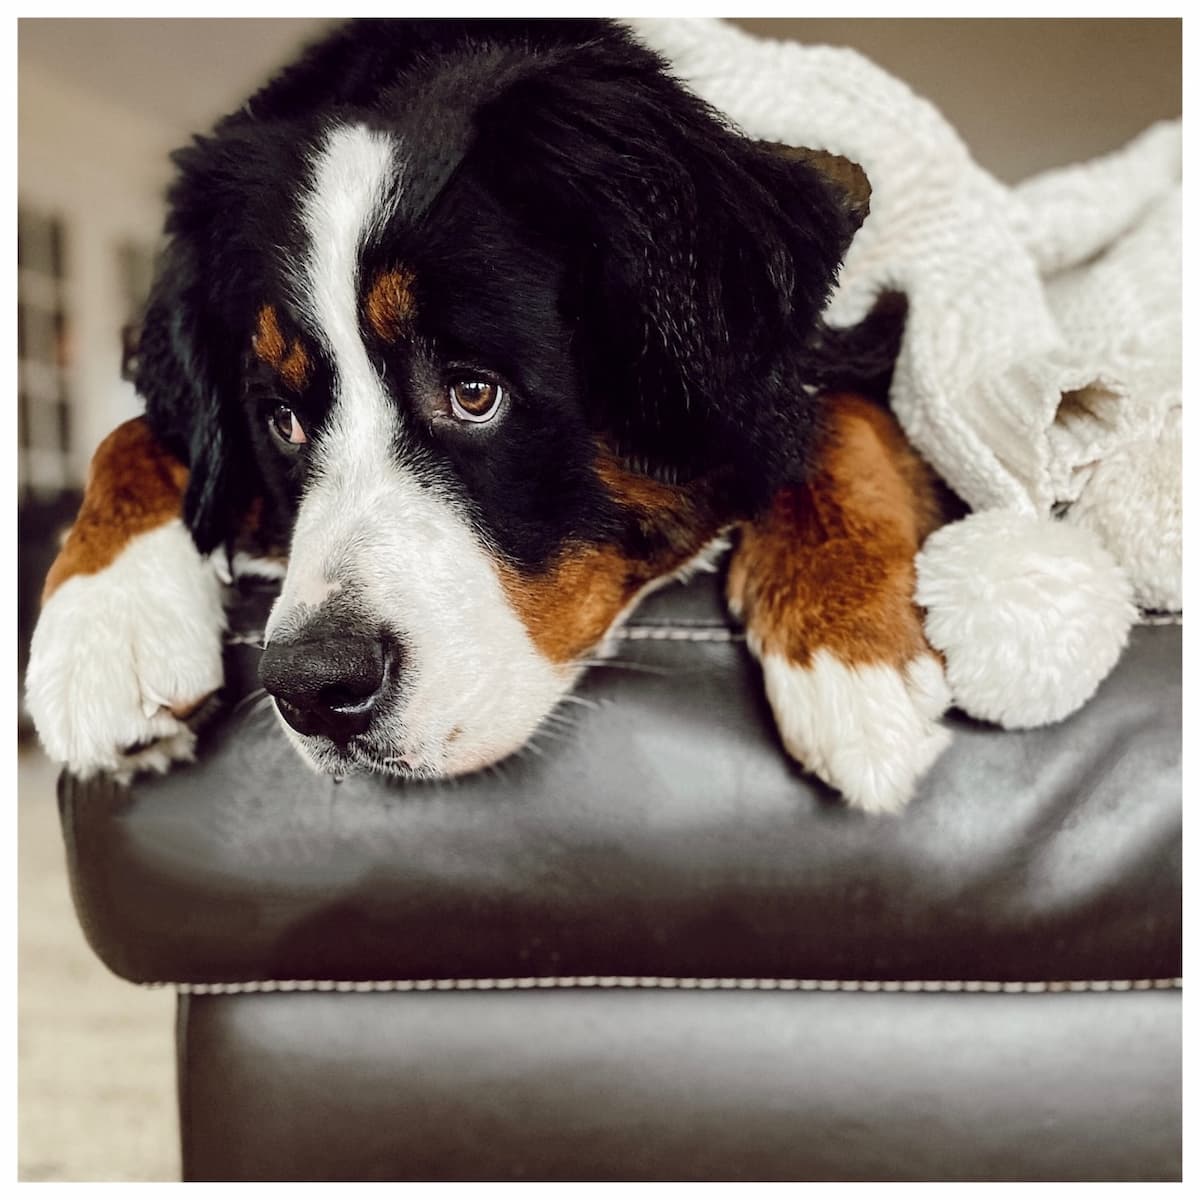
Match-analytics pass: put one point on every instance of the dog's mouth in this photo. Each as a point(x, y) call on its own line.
point(362, 755)
point(371, 754)
point(397, 766)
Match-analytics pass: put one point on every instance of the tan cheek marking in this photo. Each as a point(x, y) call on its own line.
point(676, 520)
point(390, 306)
point(133, 486)
point(290, 360)
point(830, 565)
point(570, 607)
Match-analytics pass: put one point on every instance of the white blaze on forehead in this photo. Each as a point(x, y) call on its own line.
point(474, 686)
point(355, 189)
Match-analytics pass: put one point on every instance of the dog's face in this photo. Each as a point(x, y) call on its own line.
point(462, 536)
point(501, 333)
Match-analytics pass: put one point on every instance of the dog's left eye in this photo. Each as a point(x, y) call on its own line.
point(287, 428)
point(475, 398)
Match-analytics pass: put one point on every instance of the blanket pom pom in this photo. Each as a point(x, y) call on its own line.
point(1030, 614)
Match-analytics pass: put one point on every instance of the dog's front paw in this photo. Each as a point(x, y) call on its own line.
point(871, 732)
point(121, 656)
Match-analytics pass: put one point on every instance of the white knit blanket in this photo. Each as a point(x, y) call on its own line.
point(1044, 328)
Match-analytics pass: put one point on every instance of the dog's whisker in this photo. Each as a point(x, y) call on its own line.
point(559, 734)
point(558, 721)
point(497, 770)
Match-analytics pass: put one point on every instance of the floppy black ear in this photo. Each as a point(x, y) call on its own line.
point(223, 207)
point(186, 374)
point(701, 258)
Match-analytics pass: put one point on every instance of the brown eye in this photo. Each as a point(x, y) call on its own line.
point(287, 427)
point(475, 399)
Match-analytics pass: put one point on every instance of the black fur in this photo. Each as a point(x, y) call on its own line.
point(577, 223)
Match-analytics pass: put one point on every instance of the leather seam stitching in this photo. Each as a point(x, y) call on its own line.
point(677, 983)
point(693, 632)
point(672, 633)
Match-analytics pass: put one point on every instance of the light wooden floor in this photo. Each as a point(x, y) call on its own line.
point(96, 1084)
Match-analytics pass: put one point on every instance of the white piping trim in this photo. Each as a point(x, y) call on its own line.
point(674, 983)
point(668, 633)
point(679, 623)
point(694, 632)
point(246, 639)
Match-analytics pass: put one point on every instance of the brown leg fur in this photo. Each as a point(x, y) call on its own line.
point(133, 486)
point(128, 642)
point(824, 582)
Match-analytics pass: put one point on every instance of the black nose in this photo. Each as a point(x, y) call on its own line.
point(327, 681)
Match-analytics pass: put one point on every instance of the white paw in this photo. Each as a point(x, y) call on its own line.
point(871, 732)
point(118, 656)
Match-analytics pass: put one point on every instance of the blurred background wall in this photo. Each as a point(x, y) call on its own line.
point(1085, 86)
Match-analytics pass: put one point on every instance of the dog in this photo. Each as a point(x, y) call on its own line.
point(488, 329)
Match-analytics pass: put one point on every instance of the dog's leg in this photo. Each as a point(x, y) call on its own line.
point(128, 642)
point(824, 583)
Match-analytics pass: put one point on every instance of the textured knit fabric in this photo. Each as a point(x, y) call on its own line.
point(1044, 324)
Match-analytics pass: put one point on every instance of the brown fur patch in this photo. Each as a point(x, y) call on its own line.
point(830, 565)
point(390, 306)
point(848, 177)
point(133, 487)
point(289, 359)
point(569, 607)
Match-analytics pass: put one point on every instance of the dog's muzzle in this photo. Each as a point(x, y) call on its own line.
point(330, 680)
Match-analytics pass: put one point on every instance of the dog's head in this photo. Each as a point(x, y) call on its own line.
point(501, 326)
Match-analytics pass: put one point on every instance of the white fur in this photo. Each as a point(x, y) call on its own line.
point(1030, 614)
point(115, 650)
point(871, 732)
point(1133, 502)
point(356, 185)
point(474, 685)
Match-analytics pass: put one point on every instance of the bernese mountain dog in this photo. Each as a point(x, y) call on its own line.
point(489, 328)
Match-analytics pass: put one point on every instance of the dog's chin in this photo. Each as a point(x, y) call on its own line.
point(365, 756)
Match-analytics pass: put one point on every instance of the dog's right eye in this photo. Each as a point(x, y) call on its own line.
point(287, 428)
point(475, 399)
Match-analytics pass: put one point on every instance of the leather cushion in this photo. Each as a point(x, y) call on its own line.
point(665, 1086)
point(665, 834)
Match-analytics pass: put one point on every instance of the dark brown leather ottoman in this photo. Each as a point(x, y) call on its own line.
point(653, 949)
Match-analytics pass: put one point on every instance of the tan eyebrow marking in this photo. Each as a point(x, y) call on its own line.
point(290, 360)
point(390, 305)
